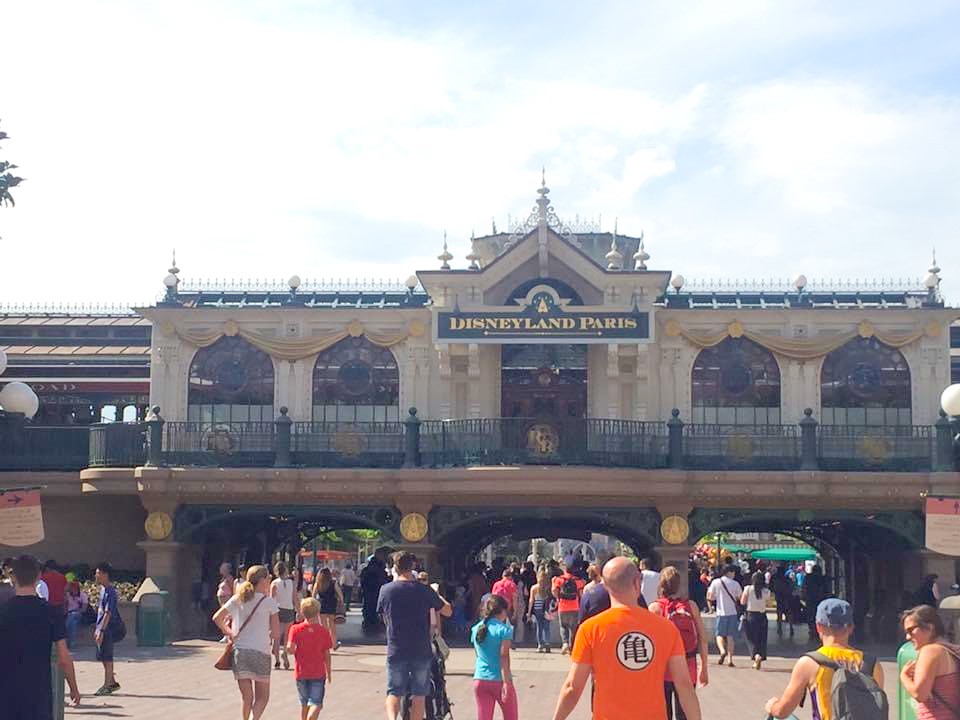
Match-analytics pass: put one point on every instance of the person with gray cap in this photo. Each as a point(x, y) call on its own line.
point(861, 680)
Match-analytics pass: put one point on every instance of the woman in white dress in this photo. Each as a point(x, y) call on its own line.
point(250, 620)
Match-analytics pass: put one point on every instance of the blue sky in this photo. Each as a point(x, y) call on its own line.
point(336, 139)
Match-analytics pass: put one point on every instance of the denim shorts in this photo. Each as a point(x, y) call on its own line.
point(105, 648)
point(312, 692)
point(727, 625)
point(408, 677)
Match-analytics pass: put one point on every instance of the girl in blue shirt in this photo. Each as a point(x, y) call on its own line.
point(492, 681)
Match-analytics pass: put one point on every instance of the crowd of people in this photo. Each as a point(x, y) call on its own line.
point(625, 625)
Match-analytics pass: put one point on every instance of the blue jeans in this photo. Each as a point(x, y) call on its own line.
point(311, 692)
point(543, 630)
point(73, 621)
point(408, 677)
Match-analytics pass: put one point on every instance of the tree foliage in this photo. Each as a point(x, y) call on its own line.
point(7, 179)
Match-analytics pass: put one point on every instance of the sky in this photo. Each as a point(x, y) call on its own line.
point(340, 140)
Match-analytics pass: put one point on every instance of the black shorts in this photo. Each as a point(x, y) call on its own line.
point(105, 648)
point(287, 616)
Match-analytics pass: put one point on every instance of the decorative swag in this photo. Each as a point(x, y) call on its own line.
point(295, 349)
point(801, 348)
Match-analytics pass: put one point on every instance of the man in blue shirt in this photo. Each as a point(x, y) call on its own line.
point(405, 606)
point(108, 617)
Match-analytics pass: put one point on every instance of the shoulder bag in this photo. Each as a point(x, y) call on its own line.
point(225, 662)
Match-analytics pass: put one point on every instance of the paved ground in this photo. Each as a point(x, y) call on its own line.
point(180, 682)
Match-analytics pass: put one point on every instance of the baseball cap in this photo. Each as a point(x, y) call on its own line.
point(834, 612)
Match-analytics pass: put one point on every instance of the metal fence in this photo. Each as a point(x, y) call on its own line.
point(518, 441)
point(31, 447)
point(117, 445)
point(902, 448)
point(741, 447)
point(235, 444)
point(347, 444)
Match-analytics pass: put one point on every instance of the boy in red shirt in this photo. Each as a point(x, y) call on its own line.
point(310, 644)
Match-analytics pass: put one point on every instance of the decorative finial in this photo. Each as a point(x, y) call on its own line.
point(614, 257)
point(493, 225)
point(641, 256)
point(473, 257)
point(445, 257)
point(171, 281)
point(933, 267)
point(543, 175)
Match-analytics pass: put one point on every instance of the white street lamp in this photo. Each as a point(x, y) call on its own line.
point(19, 397)
point(950, 400)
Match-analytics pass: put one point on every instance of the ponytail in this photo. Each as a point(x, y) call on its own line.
point(246, 589)
point(491, 608)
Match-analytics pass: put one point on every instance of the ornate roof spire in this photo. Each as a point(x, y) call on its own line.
point(614, 257)
point(171, 281)
point(543, 202)
point(445, 257)
point(934, 268)
point(641, 256)
point(473, 257)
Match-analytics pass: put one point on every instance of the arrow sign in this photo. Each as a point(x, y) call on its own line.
point(21, 519)
point(943, 525)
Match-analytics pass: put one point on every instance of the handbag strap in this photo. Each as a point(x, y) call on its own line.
point(250, 617)
point(736, 603)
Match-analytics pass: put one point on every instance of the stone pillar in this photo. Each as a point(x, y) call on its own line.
point(168, 564)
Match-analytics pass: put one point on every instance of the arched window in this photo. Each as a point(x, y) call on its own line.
point(736, 383)
point(356, 381)
point(865, 382)
point(230, 381)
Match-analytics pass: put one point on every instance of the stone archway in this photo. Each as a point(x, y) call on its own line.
point(460, 532)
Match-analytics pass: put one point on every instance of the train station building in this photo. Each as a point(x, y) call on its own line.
point(556, 384)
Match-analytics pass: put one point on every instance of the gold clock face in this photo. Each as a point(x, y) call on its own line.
point(675, 529)
point(413, 527)
point(158, 525)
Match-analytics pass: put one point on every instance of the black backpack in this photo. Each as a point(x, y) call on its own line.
point(568, 589)
point(854, 694)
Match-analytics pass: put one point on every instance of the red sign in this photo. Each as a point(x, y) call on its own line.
point(21, 520)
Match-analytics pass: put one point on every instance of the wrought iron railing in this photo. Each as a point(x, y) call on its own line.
point(741, 447)
point(904, 448)
point(805, 446)
point(234, 444)
point(347, 444)
point(570, 441)
point(33, 447)
point(117, 445)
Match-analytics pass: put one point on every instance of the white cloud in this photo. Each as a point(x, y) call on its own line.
point(261, 140)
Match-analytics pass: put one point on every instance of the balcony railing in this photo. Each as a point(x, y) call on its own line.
point(734, 447)
point(481, 441)
point(519, 441)
point(33, 447)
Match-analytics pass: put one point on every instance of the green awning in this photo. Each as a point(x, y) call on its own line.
point(785, 553)
point(733, 548)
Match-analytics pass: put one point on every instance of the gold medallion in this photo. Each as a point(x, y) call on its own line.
point(158, 525)
point(413, 527)
point(675, 529)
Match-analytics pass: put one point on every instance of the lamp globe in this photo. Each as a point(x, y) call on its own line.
point(20, 398)
point(950, 400)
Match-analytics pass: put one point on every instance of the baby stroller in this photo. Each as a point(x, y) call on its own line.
point(437, 703)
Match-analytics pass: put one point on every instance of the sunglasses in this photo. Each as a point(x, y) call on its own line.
point(909, 631)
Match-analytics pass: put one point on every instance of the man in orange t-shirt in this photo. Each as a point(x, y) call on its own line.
point(628, 650)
